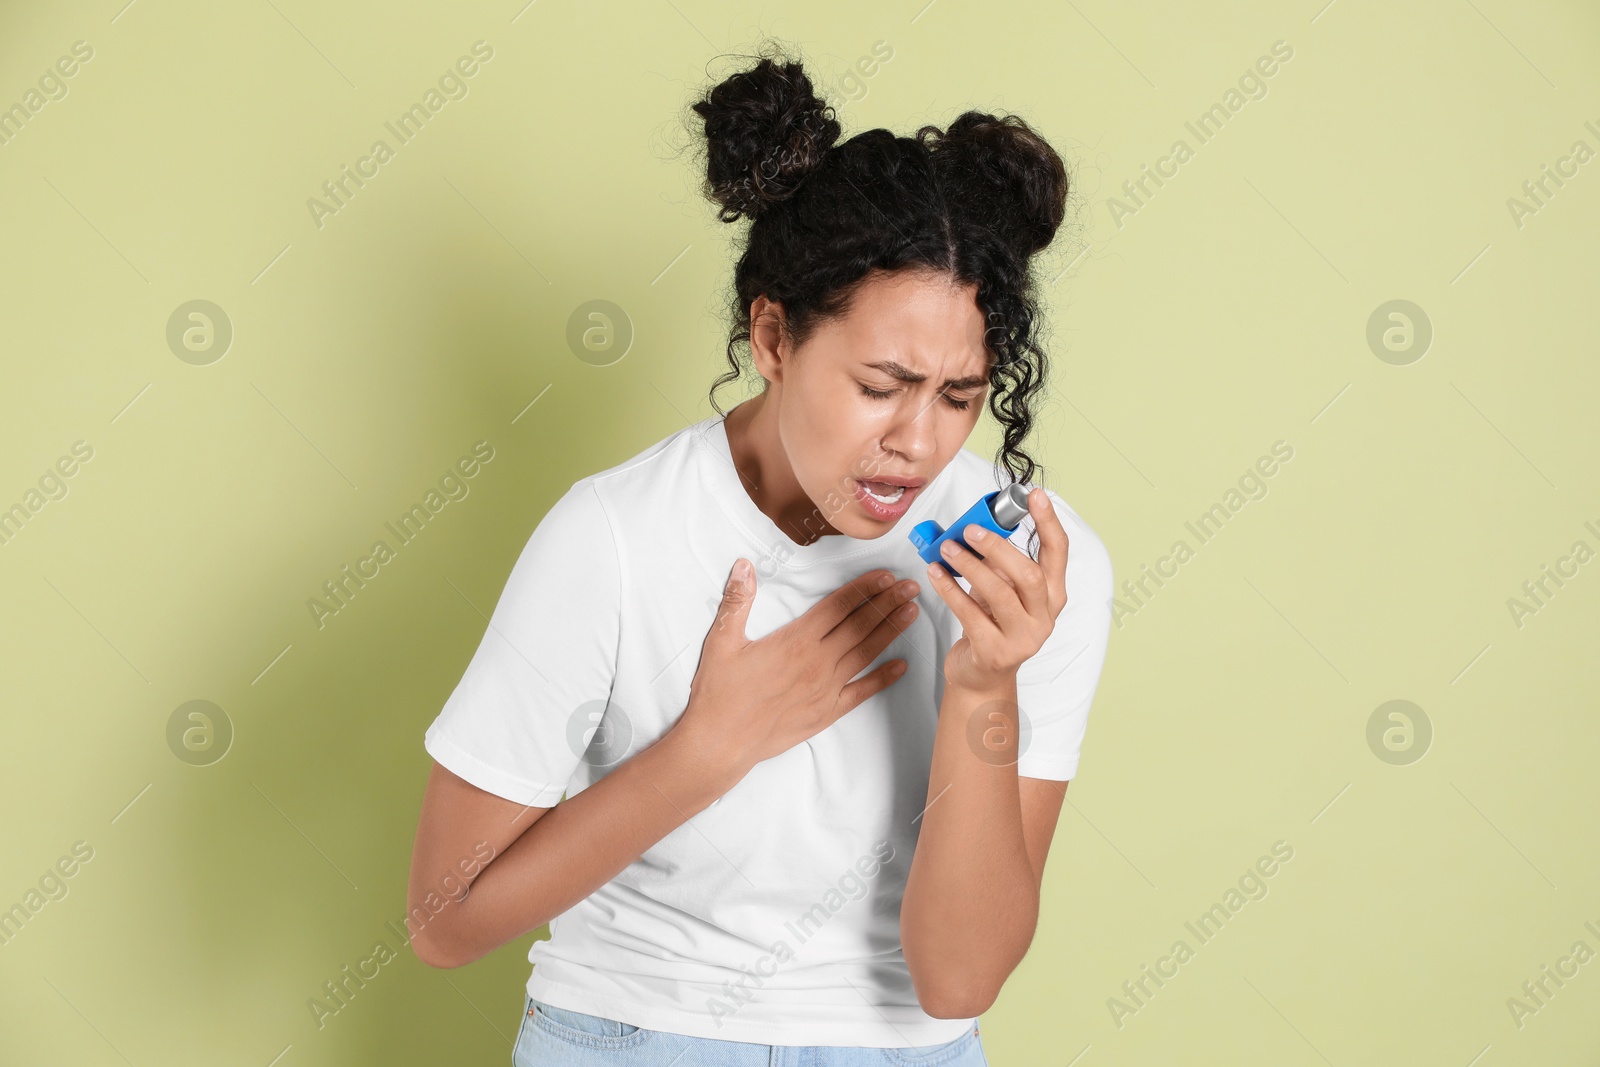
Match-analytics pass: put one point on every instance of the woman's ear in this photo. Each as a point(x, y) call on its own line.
point(768, 349)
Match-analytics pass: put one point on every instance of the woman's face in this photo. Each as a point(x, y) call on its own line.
point(880, 398)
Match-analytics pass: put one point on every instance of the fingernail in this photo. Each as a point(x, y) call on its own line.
point(978, 534)
point(883, 581)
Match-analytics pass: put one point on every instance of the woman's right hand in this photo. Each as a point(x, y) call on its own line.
point(751, 700)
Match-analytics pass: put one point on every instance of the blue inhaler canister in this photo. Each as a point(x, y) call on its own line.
point(998, 512)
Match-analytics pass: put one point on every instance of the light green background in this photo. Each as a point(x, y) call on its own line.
point(1228, 313)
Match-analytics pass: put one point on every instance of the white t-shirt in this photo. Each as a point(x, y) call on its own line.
point(773, 915)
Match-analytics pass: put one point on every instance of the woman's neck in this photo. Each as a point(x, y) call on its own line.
point(765, 471)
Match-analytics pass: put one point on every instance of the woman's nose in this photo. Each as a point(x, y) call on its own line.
point(913, 436)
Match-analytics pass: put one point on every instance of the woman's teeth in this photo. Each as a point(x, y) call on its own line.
point(892, 497)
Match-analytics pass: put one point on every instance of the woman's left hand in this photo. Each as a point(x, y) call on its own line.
point(1014, 600)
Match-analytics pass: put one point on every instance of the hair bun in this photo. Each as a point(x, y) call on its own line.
point(1004, 170)
point(766, 129)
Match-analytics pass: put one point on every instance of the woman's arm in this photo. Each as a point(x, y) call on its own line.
point(542, 861)
point(971, 902)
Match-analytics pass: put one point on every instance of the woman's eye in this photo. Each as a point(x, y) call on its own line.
point(880, 394)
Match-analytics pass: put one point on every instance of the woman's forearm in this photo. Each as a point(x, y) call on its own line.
point(971, 902)
point(582, 843)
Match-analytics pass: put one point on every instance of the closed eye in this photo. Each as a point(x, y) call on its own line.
point(881, 394)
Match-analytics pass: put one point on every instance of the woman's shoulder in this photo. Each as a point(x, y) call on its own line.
point(640, 497)
point(649, 462)
point(661, 468)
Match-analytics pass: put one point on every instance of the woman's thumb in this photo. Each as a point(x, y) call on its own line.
point(736, 596)
point(741, 580)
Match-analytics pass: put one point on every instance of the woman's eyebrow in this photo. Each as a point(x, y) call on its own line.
point(906, 374)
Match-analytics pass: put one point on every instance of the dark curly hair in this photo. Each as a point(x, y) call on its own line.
point(974, 202)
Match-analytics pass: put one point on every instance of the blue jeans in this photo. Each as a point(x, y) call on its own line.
point(556, 1037)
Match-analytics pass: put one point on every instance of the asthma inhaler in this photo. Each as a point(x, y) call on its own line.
point(999, 512)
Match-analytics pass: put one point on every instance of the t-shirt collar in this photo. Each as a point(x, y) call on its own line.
point(722, 478)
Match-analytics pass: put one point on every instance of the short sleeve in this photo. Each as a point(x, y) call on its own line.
point(1057, 685)
point(550, 649)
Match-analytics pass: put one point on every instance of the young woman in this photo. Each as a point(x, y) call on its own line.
point(782, 790)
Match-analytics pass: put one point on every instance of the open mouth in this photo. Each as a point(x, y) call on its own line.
point(887, 500)
point(884, 492)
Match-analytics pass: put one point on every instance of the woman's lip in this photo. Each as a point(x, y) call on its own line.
point(881, 511)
